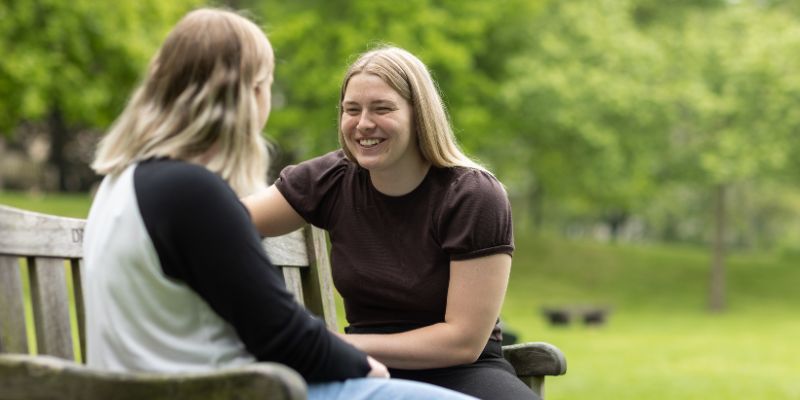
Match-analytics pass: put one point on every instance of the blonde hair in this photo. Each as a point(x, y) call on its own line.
point(198, 93)
point(410, 78)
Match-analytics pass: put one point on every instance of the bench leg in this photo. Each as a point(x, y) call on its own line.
point(536, 383)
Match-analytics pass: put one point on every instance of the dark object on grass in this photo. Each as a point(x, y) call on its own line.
point(563, 315)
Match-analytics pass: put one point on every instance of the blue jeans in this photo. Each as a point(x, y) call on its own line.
point(383, 389)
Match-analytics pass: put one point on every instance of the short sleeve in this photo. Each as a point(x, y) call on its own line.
point(476, 217)
point(311, 187)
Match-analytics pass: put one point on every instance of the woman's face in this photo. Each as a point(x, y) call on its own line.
point(377, 126)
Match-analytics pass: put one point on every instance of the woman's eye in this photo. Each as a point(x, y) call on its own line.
point(352, 111)
point(383, 110)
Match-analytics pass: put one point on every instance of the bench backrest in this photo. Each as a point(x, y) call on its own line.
point(47, 250)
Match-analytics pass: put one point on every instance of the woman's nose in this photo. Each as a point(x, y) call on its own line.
point(365, 122)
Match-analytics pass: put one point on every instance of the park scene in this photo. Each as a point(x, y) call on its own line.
point(650, 151)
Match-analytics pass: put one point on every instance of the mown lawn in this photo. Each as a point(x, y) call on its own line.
point(659, 342)
point(68, 205)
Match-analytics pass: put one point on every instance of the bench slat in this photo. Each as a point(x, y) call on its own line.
point(291, 277)
point(12, 309)
point(287, 250)
point(27, 233)
point(42, 377)
point(51, 307)
point(317, 281)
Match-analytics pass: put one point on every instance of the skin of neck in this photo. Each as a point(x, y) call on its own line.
point(400, 181)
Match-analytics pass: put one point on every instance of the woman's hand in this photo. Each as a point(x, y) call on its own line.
point(377, 370)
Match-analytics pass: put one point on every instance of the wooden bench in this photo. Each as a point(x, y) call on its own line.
point(48, 249)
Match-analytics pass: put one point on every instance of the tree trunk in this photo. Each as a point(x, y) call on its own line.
point(717, 279)
point(58, 141)
point(615, 221)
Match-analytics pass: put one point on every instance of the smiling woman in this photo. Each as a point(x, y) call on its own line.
point(421, 236)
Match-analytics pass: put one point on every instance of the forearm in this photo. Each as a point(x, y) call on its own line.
point(475, 296)
point(434, 346)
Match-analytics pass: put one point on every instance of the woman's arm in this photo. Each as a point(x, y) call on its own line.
point(271, 213)
point(475, 294)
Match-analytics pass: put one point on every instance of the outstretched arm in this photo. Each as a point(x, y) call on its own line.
point(474, 298)
point(271, 213)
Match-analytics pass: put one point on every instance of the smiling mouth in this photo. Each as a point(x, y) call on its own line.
point(370, 142)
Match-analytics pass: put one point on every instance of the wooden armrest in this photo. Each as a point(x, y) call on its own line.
point(44, 377)
point(536, 359)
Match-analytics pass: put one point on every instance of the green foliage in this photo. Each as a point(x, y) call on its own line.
point(732, 94)
point(587, 110)
point(614, 101)
point(465, 44)
point(589, 98)
point(81, 57)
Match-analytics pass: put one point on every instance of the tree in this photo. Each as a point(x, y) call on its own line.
point(73, 64)
point(587, 97)
point(617, 98)
point(733, 107)
point(465, 43)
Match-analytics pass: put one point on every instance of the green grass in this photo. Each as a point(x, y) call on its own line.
point(659, 342)
point(67, 205)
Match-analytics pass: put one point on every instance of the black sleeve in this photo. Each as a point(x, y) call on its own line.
point(204, 237)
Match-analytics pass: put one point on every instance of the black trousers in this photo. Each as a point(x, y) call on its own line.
point(491, 377)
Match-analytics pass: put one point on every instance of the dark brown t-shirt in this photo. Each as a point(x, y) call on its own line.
point(391, 255)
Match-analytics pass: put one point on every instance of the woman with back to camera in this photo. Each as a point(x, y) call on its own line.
point(176, 279)
point(421, 235)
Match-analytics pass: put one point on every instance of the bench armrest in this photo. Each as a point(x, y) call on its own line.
point(40, 377)
point(535, 359)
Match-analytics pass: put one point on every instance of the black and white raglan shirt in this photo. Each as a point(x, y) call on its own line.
point(176, 280)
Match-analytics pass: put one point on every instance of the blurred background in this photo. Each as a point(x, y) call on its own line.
point(650, 148)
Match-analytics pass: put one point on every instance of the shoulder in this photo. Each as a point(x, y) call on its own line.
point(471, 183)
point(475, 215)
point(333, 162)
point(179, 186)
point(175, 175)
point(323, 172)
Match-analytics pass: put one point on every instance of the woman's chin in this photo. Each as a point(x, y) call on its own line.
point(368, 163)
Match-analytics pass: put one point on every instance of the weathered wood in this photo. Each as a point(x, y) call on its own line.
point(12, 310)
point(27, 234)
point(291, 277)
point(287, 250)
point(34, 378)
point(50, 302)
point(317, 281)
point(536, 359)
point(536, 383)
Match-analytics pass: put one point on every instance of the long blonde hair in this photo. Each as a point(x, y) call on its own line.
point(198, 93)
point(410, 78)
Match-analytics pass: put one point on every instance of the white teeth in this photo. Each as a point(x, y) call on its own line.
point(368, 142)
